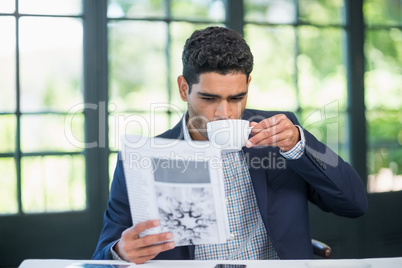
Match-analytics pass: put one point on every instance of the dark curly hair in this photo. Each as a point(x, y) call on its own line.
point(215, 49)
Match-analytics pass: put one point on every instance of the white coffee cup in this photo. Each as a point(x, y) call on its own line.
point(228, 135)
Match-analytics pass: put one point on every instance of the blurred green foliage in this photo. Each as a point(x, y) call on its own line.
point(383, 84)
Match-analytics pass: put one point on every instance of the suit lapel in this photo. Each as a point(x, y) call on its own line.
point(191, 251)
point(175, 133)
point(258, 178)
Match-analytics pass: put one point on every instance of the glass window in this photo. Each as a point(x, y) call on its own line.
point(51, 136)
point(8, 186)
point(144, 124)
point(8, 133)
point(322, 73)
point(138, 70)
point(7, 6)
point(383, 94)
point(57, 44)
point(272, 85)
point(322, 12)
point(135, 8)
point(383, 12)
point(328, 125)
point(301, 68)
point(276, 11)
point(41, 163)
point(7, 64)
point(50, 7)
point(213, 10)
point(384, 157)
point(53, 183)
point(383, 75)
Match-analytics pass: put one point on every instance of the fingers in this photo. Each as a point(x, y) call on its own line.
point(137, 249)
point(274, 131)
point(141, 227)
point(268, 123)
point(143, 254)
point(267, 132)
point(150, 240)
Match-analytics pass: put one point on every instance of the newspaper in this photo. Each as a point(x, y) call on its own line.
point(179, 183)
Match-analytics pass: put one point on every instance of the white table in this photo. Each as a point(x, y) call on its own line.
point(347, 263)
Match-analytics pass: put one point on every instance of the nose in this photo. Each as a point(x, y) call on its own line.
point(223, 111)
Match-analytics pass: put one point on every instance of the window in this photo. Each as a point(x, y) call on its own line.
point(40, 80)
point(383, 98)
point(299, 64)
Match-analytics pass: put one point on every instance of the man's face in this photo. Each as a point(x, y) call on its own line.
point(215, 97)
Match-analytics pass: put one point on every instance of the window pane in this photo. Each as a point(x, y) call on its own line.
point(179, 32)
point(384, 156)
point(7, 6)
point(8, 186)
point(7, 64)
point(329, 126)
point(322, 73)
point(383, 12)
point(135, 8)
point(194, 9)
point(322, 11)
point(276, 11)
point(136, 124)
point(56, 133)
point(59, 7)
point(55, 43)
point(272, 84)
point(8, 133)
point(53, 183)
point(383, 77)
point(138, 71)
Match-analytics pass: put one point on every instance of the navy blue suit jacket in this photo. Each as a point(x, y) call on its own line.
point(282, 188)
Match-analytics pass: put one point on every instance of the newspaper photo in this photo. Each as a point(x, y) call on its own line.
point(179, 183)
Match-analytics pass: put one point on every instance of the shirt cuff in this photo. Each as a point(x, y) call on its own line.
point(113, 254)
point(298, 150)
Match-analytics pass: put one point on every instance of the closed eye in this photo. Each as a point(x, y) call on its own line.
point(237, 98)
point(208, 99)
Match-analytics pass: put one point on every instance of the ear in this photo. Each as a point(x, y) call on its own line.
point(183, 87)
point(249, 80)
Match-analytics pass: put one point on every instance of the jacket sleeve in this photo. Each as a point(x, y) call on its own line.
point(333, 184)
point(117, 217)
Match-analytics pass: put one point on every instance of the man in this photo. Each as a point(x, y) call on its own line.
point(267, 204)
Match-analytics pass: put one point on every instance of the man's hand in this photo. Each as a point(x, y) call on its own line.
point(274, 131)
point(139, 250)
